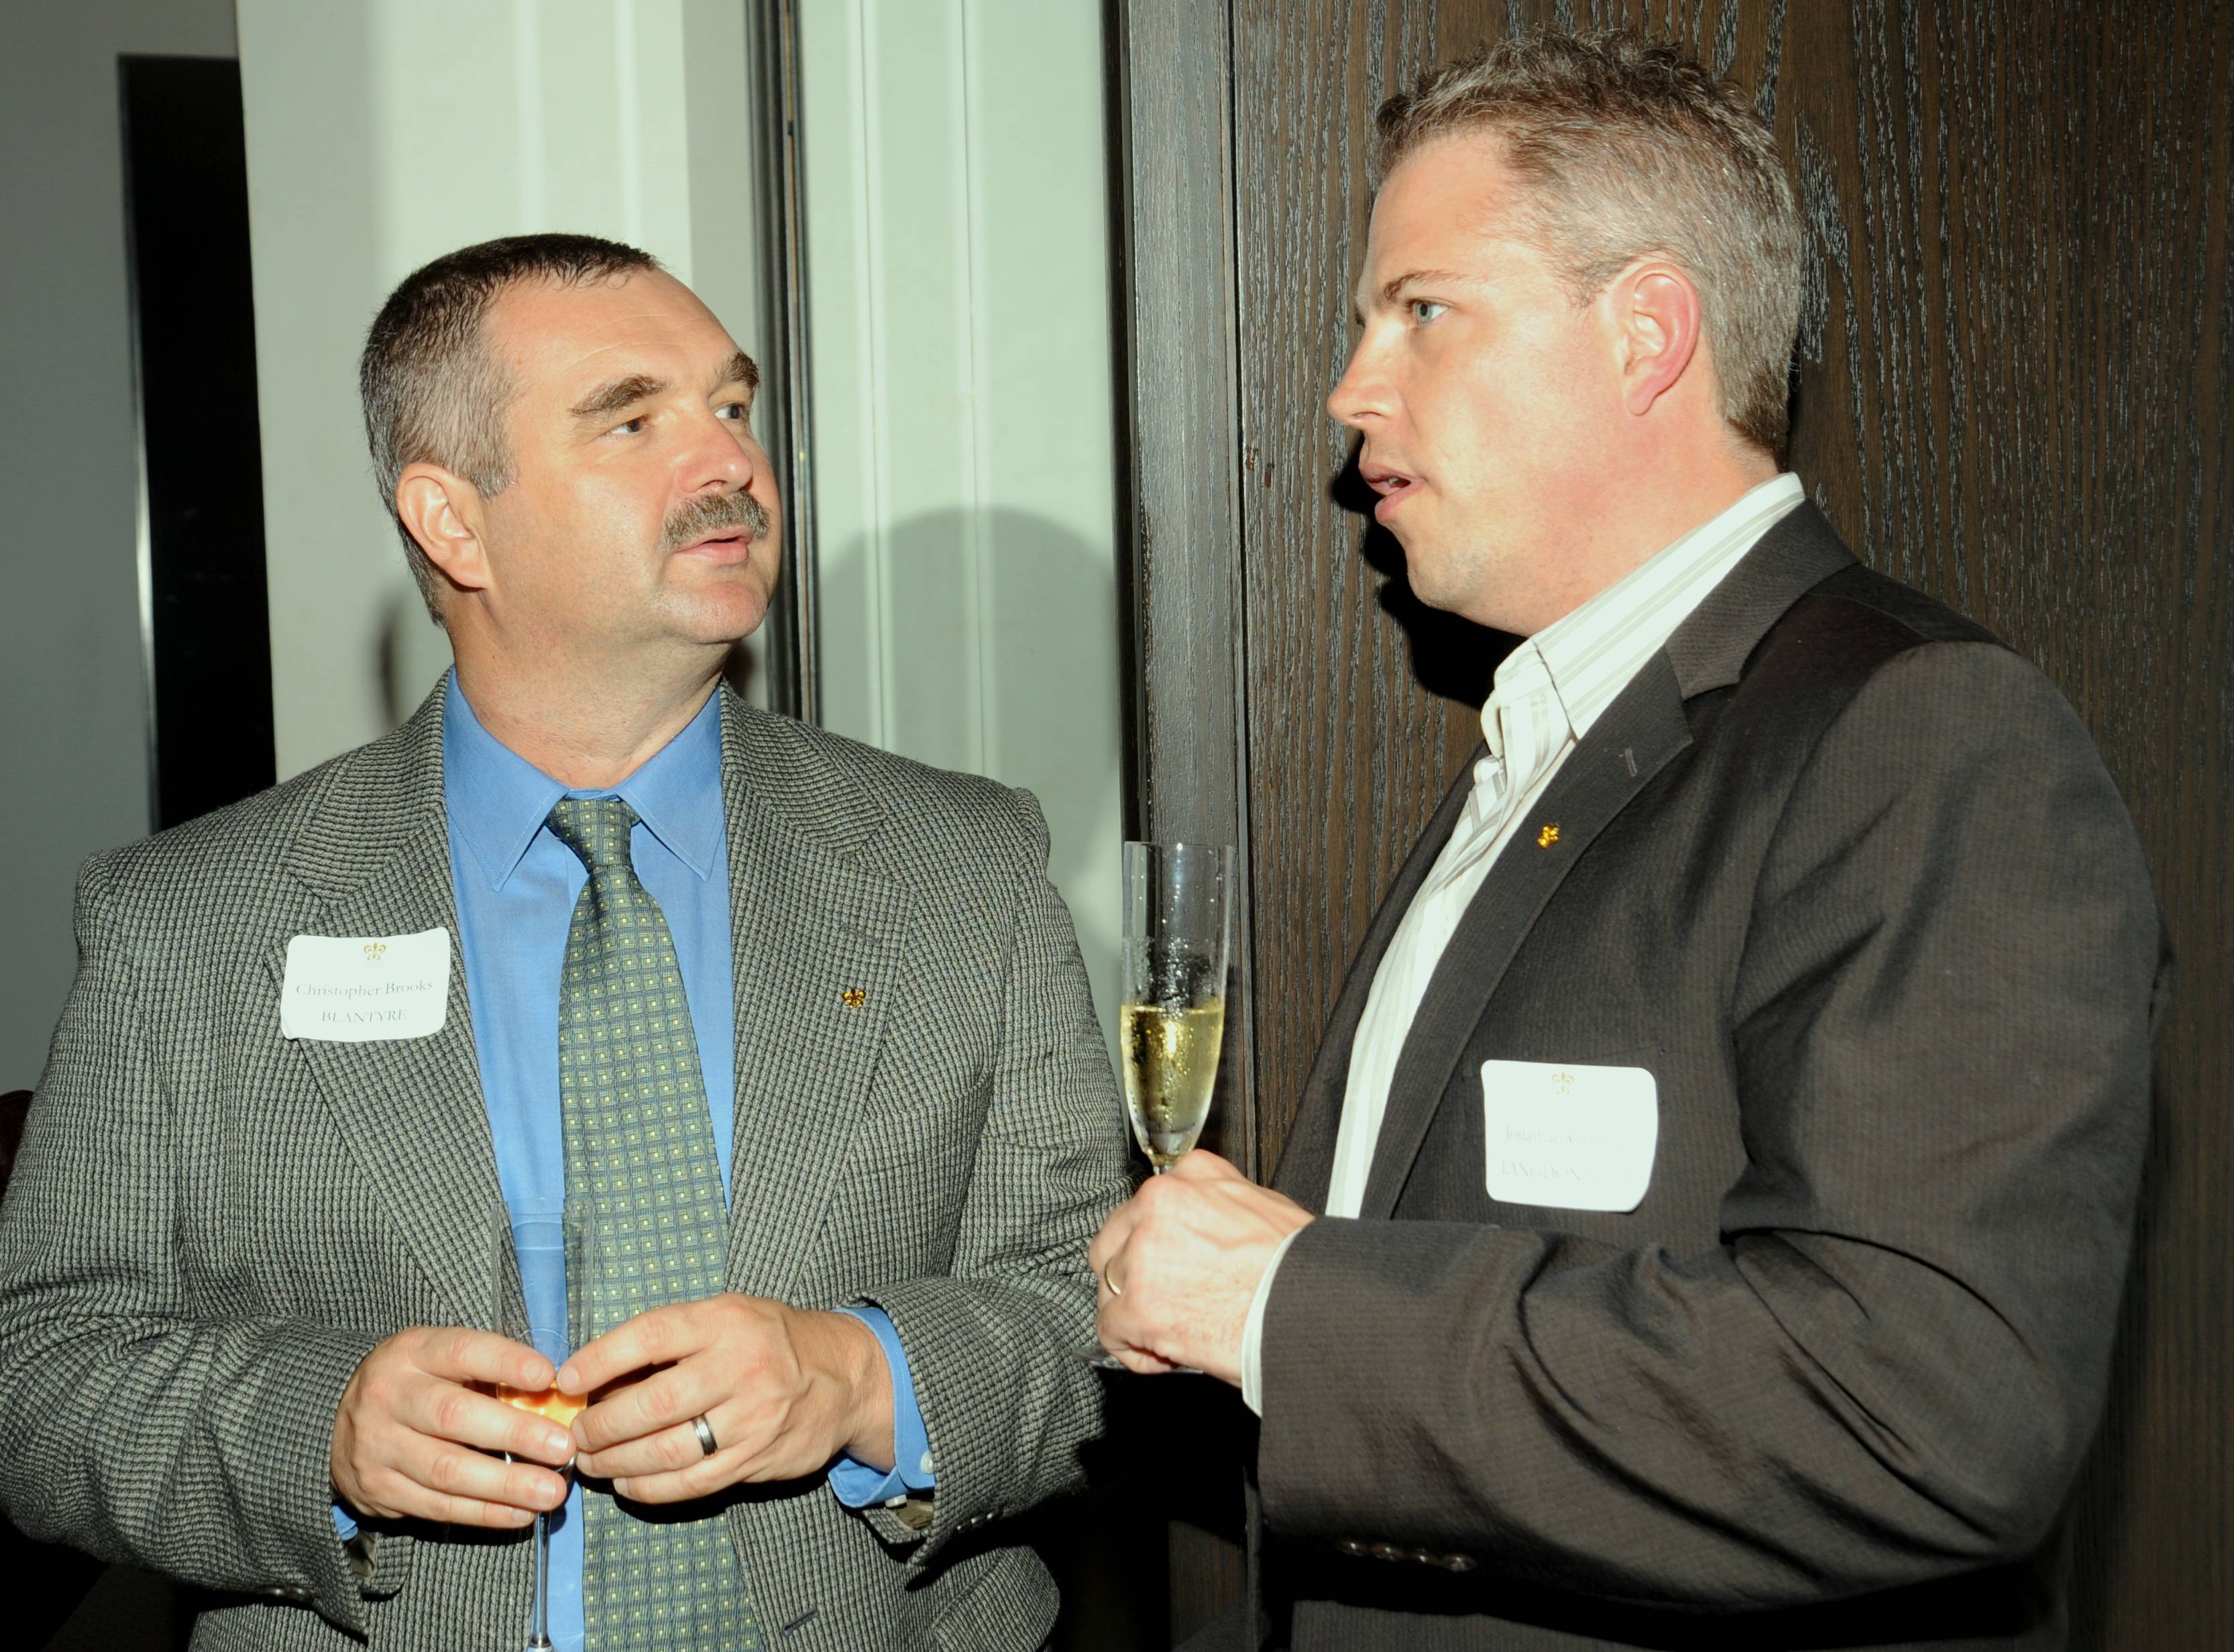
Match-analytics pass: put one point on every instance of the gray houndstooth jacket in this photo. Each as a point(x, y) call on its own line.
point(209, 1226)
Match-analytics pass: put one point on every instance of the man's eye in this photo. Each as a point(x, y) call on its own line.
point(735, 411)
point(1426, 309)
point(628, 426)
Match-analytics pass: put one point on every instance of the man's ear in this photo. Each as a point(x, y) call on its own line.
point(1655, 314)
point(442, 510)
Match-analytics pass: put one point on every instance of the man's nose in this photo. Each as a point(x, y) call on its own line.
point(716, 457)
point(1359, 394)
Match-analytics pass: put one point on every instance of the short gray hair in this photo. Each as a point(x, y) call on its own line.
point(1629, 150)
point(432, 393)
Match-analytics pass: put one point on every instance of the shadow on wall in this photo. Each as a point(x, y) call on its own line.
point(1013, 674)
point(413, 653)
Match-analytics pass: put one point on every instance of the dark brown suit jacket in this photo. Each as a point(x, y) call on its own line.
point(1848, 876)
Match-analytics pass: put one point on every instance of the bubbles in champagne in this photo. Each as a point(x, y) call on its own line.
point(1170, 1066)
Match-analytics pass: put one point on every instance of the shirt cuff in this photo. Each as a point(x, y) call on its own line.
point(858, 1485)
point(1252, 1333)
point(344, 1523)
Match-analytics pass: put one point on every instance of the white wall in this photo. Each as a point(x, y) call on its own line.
point(384, 132)
point(964, 461)
point(73, 737)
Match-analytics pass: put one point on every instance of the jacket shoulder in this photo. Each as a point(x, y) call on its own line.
point(1821, 652)
point(235, 844)
point(922, 805)
point(1861, 617)
point(242, 857)
point(1863, 653)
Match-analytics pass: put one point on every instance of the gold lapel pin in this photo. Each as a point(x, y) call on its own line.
point(852, 997)
point(1549, 835)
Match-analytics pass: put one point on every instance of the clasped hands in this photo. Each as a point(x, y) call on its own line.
point(1179, 1263)
point(418, 1432)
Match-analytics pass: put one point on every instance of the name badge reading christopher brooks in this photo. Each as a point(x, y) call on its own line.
point(353, 988)
point(1568, 1136)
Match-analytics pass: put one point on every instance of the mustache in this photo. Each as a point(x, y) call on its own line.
point(697, 518)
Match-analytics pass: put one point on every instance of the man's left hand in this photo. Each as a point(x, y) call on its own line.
point(1180, 1264)
point(784, 1389)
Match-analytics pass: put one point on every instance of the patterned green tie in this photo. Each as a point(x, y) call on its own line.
point(640, 1148)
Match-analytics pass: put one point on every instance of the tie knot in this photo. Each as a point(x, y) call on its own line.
point(597, 829)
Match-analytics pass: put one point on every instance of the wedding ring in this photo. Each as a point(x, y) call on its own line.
point(1109, 1279)
point(704, 1430)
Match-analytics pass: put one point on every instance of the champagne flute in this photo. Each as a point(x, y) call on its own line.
point(1177, 928)
point(544, 1255)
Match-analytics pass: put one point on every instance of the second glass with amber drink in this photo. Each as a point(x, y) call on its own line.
point(545, 1257)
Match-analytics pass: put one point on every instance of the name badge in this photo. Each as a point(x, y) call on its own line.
point(1574, 1138)
point(352, 988)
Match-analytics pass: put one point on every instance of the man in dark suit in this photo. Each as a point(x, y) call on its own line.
point(801, 1025)
point(1704, 1223)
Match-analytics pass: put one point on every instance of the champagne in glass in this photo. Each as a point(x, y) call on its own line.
point(546, 1252)
point(1178, 925)
point(1171, 1065)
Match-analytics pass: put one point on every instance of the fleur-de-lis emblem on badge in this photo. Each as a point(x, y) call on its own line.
point(852, 997)
point(1549, 835)
point(374, 951)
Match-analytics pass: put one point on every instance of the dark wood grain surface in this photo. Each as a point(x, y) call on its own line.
point(1174, 1473)
point(1183, 528)
point(2014, 388)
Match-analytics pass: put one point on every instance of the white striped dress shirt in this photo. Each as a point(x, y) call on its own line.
point(1547, 695)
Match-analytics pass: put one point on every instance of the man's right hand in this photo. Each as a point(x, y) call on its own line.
point(411, 1440)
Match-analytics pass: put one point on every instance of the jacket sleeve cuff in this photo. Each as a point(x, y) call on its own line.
point(352, 1562)
point(1252, 1332)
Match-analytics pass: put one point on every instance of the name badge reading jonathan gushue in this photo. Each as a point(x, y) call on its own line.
point(353, 988)
point(1571, 1137)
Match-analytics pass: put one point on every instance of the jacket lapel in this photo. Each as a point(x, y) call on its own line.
point(1625, 749)
point(1629, 744)
point(817, 929)
point(410, 1112)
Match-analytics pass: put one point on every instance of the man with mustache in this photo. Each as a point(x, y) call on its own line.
point(800, 1025)
point(1703, 1223)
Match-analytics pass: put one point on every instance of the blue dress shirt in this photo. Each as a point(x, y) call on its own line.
point(516, 887)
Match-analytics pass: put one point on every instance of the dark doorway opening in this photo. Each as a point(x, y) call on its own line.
point(209, 647)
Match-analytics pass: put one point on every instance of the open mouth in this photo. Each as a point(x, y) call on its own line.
point(722, 547)
point(1392, 485)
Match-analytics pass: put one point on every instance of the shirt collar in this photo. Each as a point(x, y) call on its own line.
point(498, 801)
point(1591, 653)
